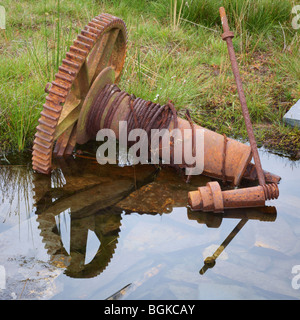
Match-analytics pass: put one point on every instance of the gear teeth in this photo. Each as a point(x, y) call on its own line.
point(42, 143)
point(50, 114)
point(78, 52)
point(60, 87)
point(73, 57)
point(44, 136)
point(82, 45)
point(91, 29)
point(67, 71)
point(52, 241)
point(38, 150)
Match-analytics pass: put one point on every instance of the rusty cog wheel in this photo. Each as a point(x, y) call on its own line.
point(101, 44)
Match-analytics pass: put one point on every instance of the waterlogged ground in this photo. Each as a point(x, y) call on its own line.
point(109, 232)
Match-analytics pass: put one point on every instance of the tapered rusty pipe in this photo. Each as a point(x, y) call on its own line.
point(227, 36)
point(224, 158)
point(228, 163)
point(234, 162)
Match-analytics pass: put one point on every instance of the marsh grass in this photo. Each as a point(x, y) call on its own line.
point(27, 64)
point(175, 17)
point(174, 52)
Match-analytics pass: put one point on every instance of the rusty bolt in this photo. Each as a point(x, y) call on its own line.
point(212, 198)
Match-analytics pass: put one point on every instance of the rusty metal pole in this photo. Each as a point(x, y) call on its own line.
point(227, 36)
point(211, 197)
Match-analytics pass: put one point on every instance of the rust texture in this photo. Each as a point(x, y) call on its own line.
point(212, 198)
point(224, 158)
point(141, 113)
point(250, 174)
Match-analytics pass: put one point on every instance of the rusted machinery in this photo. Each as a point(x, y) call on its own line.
point(84, 98)
point(211, 198)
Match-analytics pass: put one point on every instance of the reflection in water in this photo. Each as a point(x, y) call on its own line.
point(88, 196)
point(15, 188)
point(79, 201)
point(214, 220)
point(209, 262)
point(146, 252)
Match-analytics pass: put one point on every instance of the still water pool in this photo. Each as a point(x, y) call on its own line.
point(109, 232)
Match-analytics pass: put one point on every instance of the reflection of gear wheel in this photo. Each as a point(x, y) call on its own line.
point(102, 43)
point(107, 228)
point(75, 192)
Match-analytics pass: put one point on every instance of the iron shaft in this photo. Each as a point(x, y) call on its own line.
point(227, 36)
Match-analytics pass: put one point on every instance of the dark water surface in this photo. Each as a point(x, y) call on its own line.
point(98, 232)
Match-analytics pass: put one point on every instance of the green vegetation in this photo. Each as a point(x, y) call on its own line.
point(175, 52)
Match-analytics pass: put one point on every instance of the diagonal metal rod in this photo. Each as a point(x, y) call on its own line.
point(227, 36)
point(210, 261)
